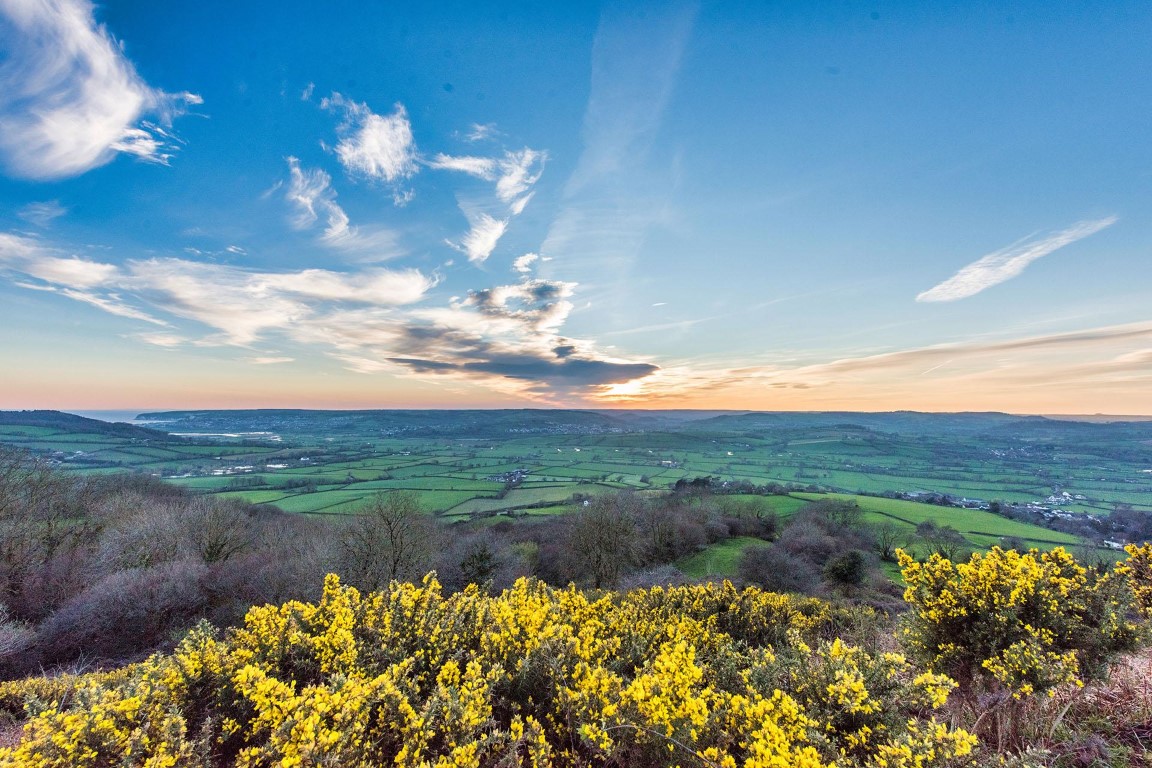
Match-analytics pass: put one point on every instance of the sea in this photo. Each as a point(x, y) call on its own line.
point(126, 417)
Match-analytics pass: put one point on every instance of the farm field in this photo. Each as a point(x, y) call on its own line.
point(982, 530)
point(476, 465)
point(980, 527)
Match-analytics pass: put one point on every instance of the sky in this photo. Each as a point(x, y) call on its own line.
point(766, 206)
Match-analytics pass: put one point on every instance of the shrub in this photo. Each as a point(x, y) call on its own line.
point(1138, 570)
point(774, 568)
point(534, 676)
point(848, 569)
point(1015, 623)
point(126, 613)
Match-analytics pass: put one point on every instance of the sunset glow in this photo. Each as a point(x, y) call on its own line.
point(787, 207)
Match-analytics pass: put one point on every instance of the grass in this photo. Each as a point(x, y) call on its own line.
point(434, 483)
point(721, 559)
point(973, 523)
point(321, 501)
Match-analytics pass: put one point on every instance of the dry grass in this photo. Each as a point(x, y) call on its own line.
point(1107, 724)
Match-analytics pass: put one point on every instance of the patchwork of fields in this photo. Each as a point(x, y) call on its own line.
point(514, 476)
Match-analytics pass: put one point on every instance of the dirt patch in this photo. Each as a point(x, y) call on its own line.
point(10, 733)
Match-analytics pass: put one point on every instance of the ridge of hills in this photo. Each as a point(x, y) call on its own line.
point(73, 423)
point(528, 420)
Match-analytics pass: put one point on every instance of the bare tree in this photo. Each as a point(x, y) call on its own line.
point(888, 537)
point(216, 530)
point(138, 531)
point(41, 517)
point(943, 540)
point(390, 538)
point(602, 540)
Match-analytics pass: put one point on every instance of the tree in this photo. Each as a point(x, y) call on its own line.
point(41, 520)
point(479, 563)
point(844, 514)
point(218, 530)
point(390, 538)
point(887, 537)
point(943, 540)
point(778, 570)
point(601, 539)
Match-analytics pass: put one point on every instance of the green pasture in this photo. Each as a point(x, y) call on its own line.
point(433, 483)
point(201, 483)
point(719, 560)
point(254, 497)
point(974, 524)
point(521, 497)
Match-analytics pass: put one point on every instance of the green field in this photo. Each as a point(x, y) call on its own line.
point(718, 560)
point(982, 528)
point(462, 464)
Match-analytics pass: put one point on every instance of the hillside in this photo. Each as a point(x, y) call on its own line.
point(58, 421)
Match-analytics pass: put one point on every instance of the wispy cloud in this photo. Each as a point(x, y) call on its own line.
point(31, 257)
point(672, 326)
point(240, 304)
point(269, 360)
point(310, 193)
point(112, 304)
point(1101, 368)
point(42, 214)
point(375, 147)
point(166, 340)
point(311, 196)
point(483, 235)
point(519, 172)
point(480, 132)
point(1009, 262)
point(69, 99)
point(515, 173)
point(616, 192)
point(480, 167)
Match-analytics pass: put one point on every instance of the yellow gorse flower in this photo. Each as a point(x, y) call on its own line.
point(534, 676)
point(1019, 622)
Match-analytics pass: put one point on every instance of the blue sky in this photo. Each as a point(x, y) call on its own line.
point(717, 205)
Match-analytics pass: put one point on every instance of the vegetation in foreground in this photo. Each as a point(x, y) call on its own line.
point(704, 675)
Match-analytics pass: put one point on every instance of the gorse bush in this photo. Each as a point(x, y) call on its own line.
point(411, 676)
point(1018, 624)
point(1138, 570)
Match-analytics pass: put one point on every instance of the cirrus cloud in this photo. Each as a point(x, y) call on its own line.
point(70, 100)
point(311, 196)
point(1009, 262)
point(483, 235)
point(241, 305)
